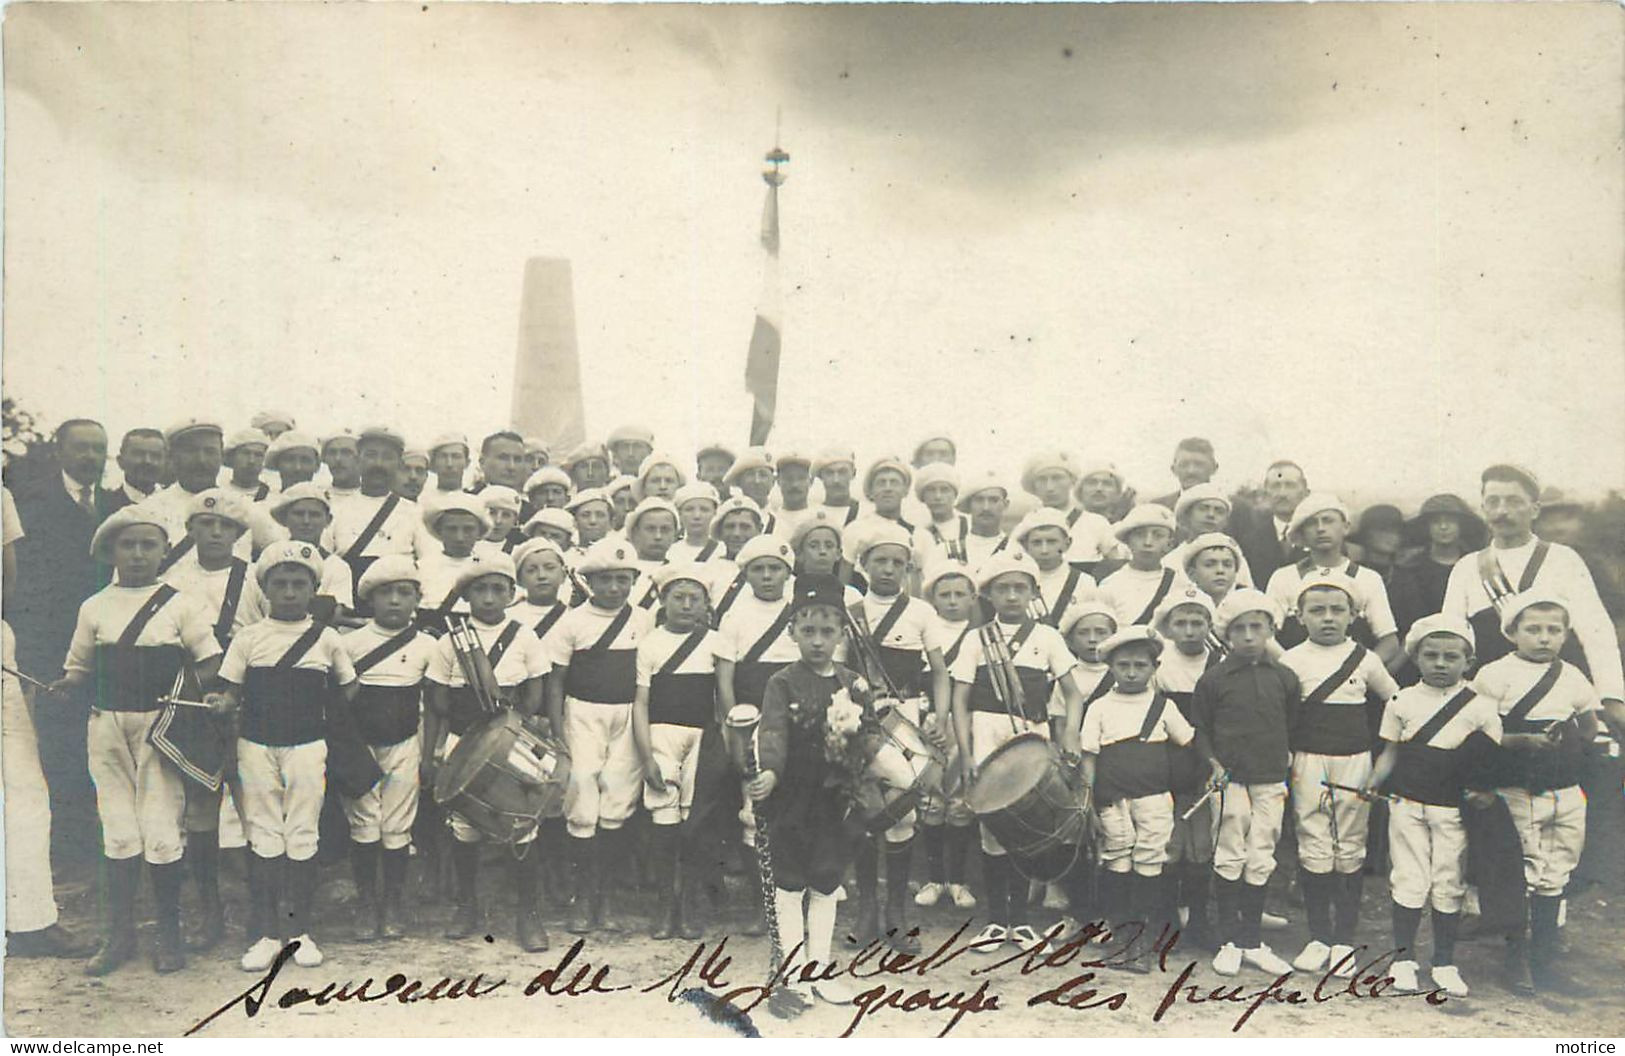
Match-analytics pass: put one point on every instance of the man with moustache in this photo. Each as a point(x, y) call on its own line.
point(376, 521)
point(141, 456)
point(195, 453)
point(1267, 544)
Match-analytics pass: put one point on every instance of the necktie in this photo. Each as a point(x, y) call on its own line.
point(84, 500)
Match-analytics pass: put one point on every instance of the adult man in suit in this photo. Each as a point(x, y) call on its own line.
point(1265, 542)
point(55, 572)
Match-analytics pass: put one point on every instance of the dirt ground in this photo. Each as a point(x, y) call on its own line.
point(55, 999)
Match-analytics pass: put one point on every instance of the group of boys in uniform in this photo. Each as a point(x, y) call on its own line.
point(629, 600)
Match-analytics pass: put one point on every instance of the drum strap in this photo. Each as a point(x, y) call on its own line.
point(546, 623)
point(612, 632)
point(1002, 544)
point(385, 650)
point(706, 551)
point(1153, 715)
point(1336, 678)
point(1535, 695)
point(728, 598)
point(178, 551)
point(262, 491)
point(229, 603)
point(302, 645)
point(754, 653)
point(143, 616)
point(510, 632)
point(1072, 518)
point(1064, 598)
point(851, 512)
point(385, 508)
point(684, 650)
point(1156, 598)
point(1103, 687)
point(1496, 584)
point(1442, 717)
point(888, 621)
point(953, 650)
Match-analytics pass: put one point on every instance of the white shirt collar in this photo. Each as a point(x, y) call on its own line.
point(76, 489)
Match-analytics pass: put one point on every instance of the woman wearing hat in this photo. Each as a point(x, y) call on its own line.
point(1445, 529)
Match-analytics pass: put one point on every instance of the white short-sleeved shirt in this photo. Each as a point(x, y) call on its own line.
point(1129, 590)
point(909, 632)
point(746, 621)
point(944, 634)
point(1416, 705)
point(207, 590)
point(403, 532)
point(1372, 602)
point(1044, 650)
point(1118, 716)
point(523, 660)
point(1314, 663)
point(580, 629)
point(105, 614)
point(981, 547)
point(1051, 583)
point(1506, 680)
point(406, 666)
point(1177, 672)
point(657, 647)
point(1092, 536)
point(439, 574)
point(263, 644)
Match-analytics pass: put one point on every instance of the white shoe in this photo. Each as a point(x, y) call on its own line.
point(1272, 921)
point(1266, 960)
point(1313, 957)
point(1184, 915)
point(835, 991)
point(1447, 977)
point(989, 939)
point(962, 897)
point(1404, 974)
point(261, 955)
point(1054, 897)
point(1344, 955)
point(308, 955)
point(929, 894)
point(1228, 960)
point(1024, 936)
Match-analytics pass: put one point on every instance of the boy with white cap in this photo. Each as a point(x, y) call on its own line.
point(621, 492)
point(628, 446)
point(752, 476)
point(676, 701)
point(244, 456)
point(594, 513)
point(696, 504)
point(459, 521)
point(1433, 735)
point(305, 512)
point(520, 666)
point(1136, 589)
point(651, 528)
point(659, 476)
point(794, 472)
point(448, 461)
point(1321, 522)
point(1204, 510)
point(293, 457)
point(225, 590)
point(1340, 681)
point(943, 815)
point(885, 485)
point(278, 676)
point(341, 457)
point(836, 468)
point(1126, 769)
point(711, 464)
point(1044, 535)
point(543, 576)
point(753, 640)
point(594, 651)
point(130, 640)
point(947, 532)
point(1548, 714)
point(588, 466)
point(414, 474)
point(502, 505)
point(985, 499)
point(391, 656)
point(1185, 621)
point(983, 722)
point(548, 488)
point(536, 453)
point(1244, 708)
point(897, 627)
point(738, 520)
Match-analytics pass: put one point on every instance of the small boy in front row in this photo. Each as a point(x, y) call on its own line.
point(1125, 740)
point(391, 656)
point(792, 789)
point(278, 675)
point(1243, 709)
point(1548, 713)
point(1431, 733)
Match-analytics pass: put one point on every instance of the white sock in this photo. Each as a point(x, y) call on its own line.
point(820, 925)
point(787, 906)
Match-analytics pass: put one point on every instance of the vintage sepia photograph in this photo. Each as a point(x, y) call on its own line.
point(1083, 520)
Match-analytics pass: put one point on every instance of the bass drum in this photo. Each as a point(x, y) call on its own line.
point(503, 778)
point(1021, 793)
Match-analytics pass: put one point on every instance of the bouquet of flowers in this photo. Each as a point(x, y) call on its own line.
point(849, 736)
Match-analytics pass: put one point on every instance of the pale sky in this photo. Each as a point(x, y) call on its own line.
point(1384, 240)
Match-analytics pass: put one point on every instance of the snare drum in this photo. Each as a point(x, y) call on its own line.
point(903, 772)
point(1021, 794)
point(503, 778)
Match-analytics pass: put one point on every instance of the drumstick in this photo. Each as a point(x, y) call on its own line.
point(1360, 792)
point(28, 679)
point(1213, 789)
